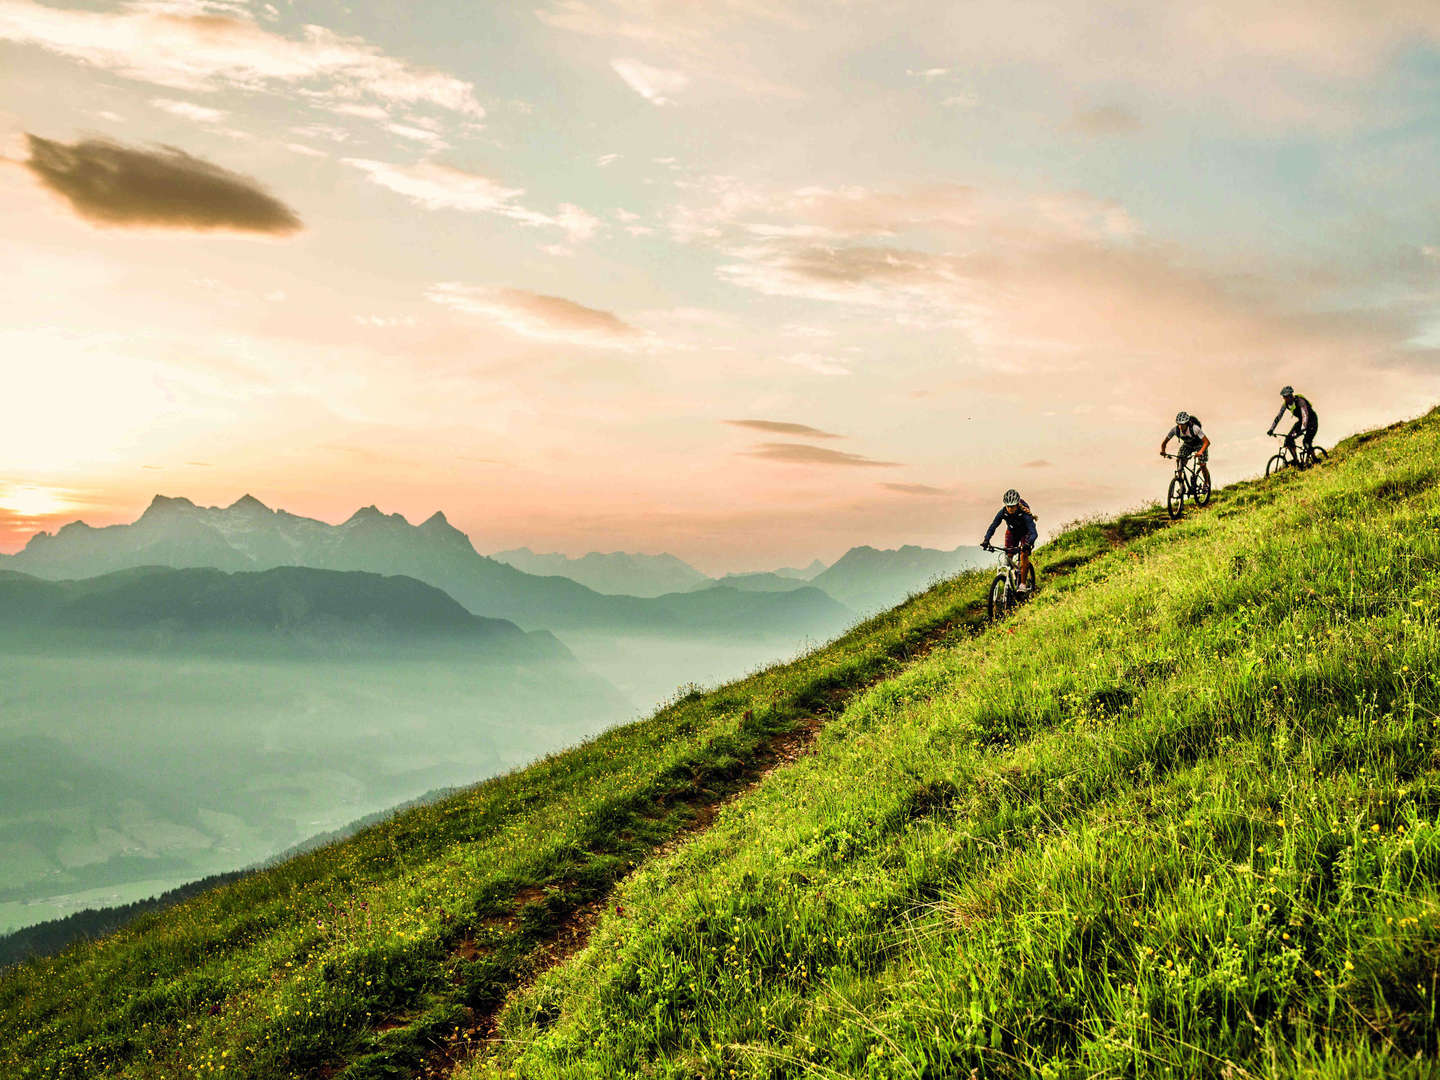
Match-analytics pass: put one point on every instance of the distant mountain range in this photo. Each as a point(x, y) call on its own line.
point(283, 609)
point(868, 579)
point(250, 536)
point(616, 573)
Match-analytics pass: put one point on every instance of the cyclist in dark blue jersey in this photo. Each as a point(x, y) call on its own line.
point(1020, 531)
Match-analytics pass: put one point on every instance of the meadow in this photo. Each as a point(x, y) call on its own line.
point(1176, 817)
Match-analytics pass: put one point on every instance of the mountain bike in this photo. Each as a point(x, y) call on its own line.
point(1293, 455)
point(1191, 479)
point(1005, 594)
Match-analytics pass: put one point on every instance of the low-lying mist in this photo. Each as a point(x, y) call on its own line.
point(123, 774)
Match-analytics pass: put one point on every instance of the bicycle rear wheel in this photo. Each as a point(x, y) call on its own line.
point(1202, 485)
point(1318, 455)
point(1275, 464)
point(999, 597)
point(1175, 500)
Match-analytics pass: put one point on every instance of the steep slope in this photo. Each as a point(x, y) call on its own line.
point(249, 536)
point(1177, 817)
point(871, 579)
point(616, 573)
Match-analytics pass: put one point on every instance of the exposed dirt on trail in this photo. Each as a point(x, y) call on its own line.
point(572, 933)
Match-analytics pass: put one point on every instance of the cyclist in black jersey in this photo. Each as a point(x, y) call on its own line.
point(1020, 531)
point(1306, 422)
point(1193, 439)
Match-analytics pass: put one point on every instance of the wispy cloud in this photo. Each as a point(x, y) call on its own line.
point(1106, 120)
point(444, 187)
point(190, 111)
point(917, 489)
point(781, 427)
point(198, 47)
point(533, 315)
point(110, 184)
point(654, 84)
point(1037, 463)
point(802, 454)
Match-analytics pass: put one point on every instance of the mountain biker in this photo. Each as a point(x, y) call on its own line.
point(1193, 439)
point(1306, 422)
point(1020, 531)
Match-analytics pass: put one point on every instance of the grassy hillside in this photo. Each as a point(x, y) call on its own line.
point(1177, 817)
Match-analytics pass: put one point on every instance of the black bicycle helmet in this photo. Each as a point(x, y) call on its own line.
point(1288, 391)
point(1012, 498)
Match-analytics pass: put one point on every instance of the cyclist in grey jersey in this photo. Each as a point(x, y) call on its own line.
point(1193, 439)
point(1306, 422)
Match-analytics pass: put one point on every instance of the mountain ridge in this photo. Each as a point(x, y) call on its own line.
point(247, 536)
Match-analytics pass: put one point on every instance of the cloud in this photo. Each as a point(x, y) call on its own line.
point(801, 454)
point(190, 111)
point(1106, 120)
point(111, 184)
point(917, 489)
point(547, 318)
point(192, 47)
point(443, 187)
point(1038, 463)
point(780, 427)
point(654, 84)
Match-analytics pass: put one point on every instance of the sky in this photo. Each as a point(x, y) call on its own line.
point(747, 282)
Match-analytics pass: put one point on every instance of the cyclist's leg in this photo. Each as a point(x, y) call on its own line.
point(1025, 546)
point(1310, 430)
point(1290, 440)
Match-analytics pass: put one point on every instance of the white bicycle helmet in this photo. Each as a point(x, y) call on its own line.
point(1182, 417)
point(1012, 498)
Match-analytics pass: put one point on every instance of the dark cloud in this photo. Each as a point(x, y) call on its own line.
point(1038, 463)
point(1106, 120)
point(916, 489)
point(780, 427)
point(800, 454)
point(163, 188)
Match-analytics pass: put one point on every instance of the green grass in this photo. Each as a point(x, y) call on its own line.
point(1177, 817)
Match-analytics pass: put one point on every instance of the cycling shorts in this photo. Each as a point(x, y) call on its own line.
point(1026, 540)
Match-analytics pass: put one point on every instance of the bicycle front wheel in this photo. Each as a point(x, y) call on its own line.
point(999, 597)
point(1275, 464)
point(1175, 500)
point(1202, 485)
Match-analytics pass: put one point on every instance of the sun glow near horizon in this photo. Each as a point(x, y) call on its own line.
point(32, 502)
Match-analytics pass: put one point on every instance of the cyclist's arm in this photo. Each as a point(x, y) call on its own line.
point(1305, 413)
point(1168, 436)
point(1199, 433)
point(1276, 421)
point(993, 526)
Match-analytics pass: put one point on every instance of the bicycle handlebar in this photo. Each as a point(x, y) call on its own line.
point(1006, 550)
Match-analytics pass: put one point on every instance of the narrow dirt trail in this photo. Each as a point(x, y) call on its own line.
point(572, 933)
